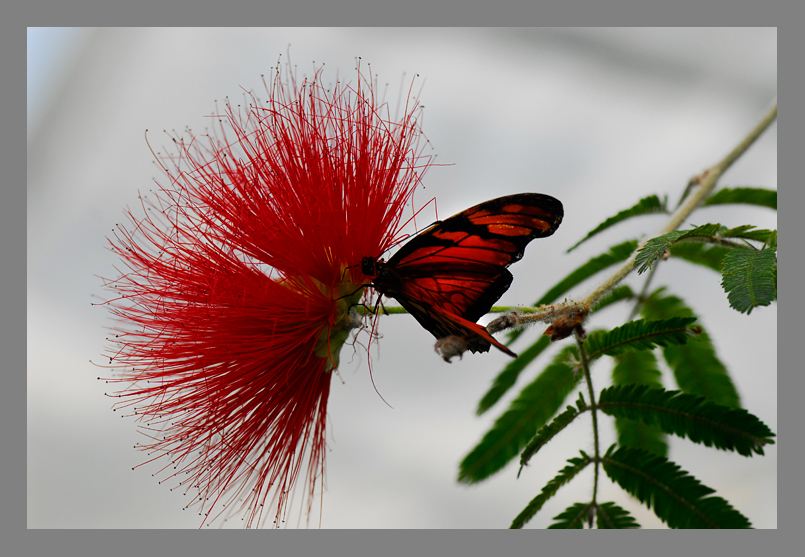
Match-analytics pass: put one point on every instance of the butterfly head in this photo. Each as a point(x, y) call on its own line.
point(369, 266)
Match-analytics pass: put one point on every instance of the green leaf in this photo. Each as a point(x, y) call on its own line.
point(693, 183)
point(747, 232)
point(697, 369)
point(565, 475)
point(530, 411)
point(573, 517)
point(615, 255)
point(656, 247)
point(610, 516)
point(753, 196)
point(508, 377)
point(616, 295)
point(749, 278)
point(677, 498)
point(638, 368)
point(646, 206)
point(771, 243)
point(639, 335)
point(684, 415)
point(545, 434)
point(692, 244)
point(706, 255)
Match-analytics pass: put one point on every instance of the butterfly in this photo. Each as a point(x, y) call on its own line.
point(451, 273)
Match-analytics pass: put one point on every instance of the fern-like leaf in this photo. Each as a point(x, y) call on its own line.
point(545, 434)
point(615, 255)
point(573, 517)
point(698, 370)
point(677, 498)
point(771, 242)
point(508, 377)
point(609, 516)
point(656, 247)
point(747, 232)
point(616, 295)
point(684, 415)
point(639, 335)
point(565, 475)
point(646, 206)
point(749, 278)
point(638, 368)
point(706, 255)
point(530, 411)
point(696, 366)
point(753, 196)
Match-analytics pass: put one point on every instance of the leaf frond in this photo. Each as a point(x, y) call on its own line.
point(577, 464)
point(696, 366)
point(749, 278)
point(508, 377)
point(545, 434)
point(747, 232)
point(639, 335)
point(609, 516)
point(616, 295)
point(678, 499)
point(685, 415)
point(656, 247)
point(531, 410)
point(638, 368)
point(707, 255)
point(615, 255)
point(771, 242)
point(573, 517)
point(646, 206)
point(753, 196)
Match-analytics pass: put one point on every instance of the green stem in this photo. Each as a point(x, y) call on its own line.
point(585, 366)
point(707, 182)
point(643, 293)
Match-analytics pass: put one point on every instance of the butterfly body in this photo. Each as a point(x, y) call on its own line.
point(452, 273)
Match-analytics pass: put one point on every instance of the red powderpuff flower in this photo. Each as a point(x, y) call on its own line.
point(237, 285)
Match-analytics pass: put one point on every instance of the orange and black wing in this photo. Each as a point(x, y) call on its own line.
point(451, 274)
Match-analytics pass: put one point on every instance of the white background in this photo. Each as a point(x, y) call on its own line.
point(595, 117)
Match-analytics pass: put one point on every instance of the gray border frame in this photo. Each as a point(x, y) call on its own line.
point(312, 13)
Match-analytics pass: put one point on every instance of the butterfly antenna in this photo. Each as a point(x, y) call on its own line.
point(413, 219)
point(343, 275)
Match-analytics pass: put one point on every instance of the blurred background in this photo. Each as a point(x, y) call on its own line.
point(595, 117)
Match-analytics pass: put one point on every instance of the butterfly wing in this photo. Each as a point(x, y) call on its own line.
point(452, 273)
